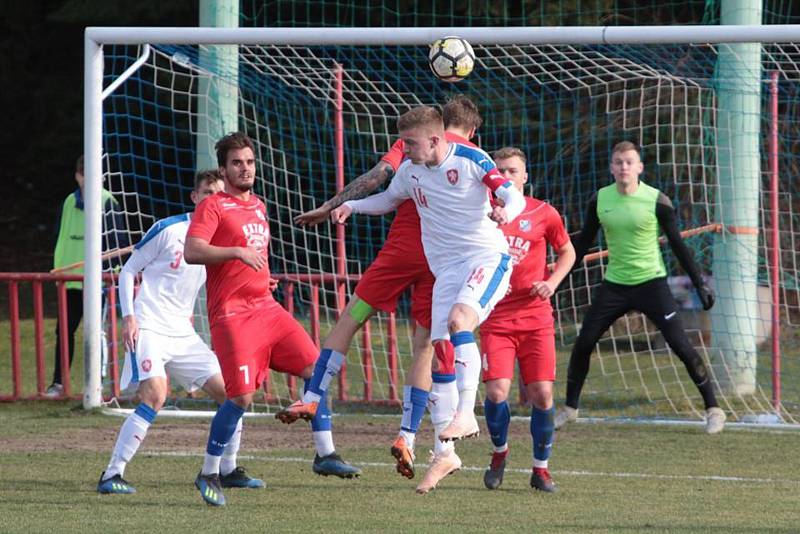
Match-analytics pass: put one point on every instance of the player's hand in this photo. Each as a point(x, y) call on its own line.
point(252, 258)
point(499, 215)
point(706, 295)
point(341, 214)
point(130, 332)
point(543, 289)
point(273, 284)
point(313, 217)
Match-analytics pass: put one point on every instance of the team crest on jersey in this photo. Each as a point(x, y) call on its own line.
point(257, 235)
point(452, 176)
point(525, 225)
point(147, 365)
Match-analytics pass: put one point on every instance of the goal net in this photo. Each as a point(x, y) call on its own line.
point(703, 115)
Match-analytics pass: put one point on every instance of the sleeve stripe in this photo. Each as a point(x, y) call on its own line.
point(159, 226)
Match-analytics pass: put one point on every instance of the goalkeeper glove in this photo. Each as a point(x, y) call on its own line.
point(706, 295)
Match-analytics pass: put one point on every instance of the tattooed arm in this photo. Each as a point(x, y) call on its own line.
point(357, 189)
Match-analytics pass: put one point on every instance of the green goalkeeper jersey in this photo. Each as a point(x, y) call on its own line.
point(631, 231)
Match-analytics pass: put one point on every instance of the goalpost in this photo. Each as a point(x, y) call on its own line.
point(321, 103)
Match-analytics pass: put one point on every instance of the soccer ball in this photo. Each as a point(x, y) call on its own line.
point(451, 59)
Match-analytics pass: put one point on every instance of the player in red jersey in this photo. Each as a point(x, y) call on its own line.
point(250, 332)
point(400, 264)
point(521, 327)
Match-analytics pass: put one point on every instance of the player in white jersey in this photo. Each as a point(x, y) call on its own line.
point(467, 254)
point(158, 333)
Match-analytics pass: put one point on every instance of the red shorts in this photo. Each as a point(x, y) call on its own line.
point(390, 274)
point(249, 344)
point(535, 349)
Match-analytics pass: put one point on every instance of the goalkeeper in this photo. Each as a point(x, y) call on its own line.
point(630, 213)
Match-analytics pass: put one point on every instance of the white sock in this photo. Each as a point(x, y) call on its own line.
point(468, 374)
point(442, 404)
point(409, 438)
point(332, 368)
point(405, 422)
point(323, 442)
point(540, 463)
point(211, 464)
point(501, 448)
point(228, 462)
point(131, 435)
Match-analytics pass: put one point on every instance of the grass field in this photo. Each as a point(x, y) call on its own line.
point(612, 478)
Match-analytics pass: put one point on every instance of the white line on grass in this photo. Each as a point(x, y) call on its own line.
point(713, 478)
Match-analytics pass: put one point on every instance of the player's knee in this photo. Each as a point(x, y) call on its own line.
point(153, 392)
point(461, 318)
point(306, 373)
point(495, 392)
point(540, 395)
point(243, 401)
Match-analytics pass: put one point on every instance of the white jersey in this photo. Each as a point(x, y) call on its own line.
point(453, 202)
point(165, 302)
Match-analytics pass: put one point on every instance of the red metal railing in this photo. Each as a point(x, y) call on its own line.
point(289, 281)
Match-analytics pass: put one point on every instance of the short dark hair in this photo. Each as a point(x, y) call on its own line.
point(232, 141)
point(420, 116)
point(206, 176)
point(461, 112)
point(624, 146)
point(509, 152)
point(79, 165)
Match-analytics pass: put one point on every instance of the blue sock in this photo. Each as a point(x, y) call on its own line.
point(498, 418)
point(443, 378)
point(321, 421)
point(328, 365)
point(542, 427)
point(419, 400)
point(222, 427)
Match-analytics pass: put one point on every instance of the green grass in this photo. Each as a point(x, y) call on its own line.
point(612, 478)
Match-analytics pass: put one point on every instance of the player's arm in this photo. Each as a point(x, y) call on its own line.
point(379, 204)
point(566, 259)
point(199, 251)
point(356, 189)
point(591, 224)
point(665, 213)
point(510, 201)
point(143, 254)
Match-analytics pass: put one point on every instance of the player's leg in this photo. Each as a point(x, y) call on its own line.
point(329, 362)
point(74, 315)
point(499, 354)
point(242, 361)
point(418, 377)
point(150, 374)
point(537, 357)
point(609, 304)
point(443, 398)
point(294, 353)
point(655, 300)
point(231, 475)
point(484, 284)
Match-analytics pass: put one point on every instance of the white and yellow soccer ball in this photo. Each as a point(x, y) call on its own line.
point(451, 59)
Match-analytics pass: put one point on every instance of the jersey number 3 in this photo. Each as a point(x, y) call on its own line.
point(178, 257)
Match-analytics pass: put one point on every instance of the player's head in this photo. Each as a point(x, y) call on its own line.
point(511, 162)
point(626, 163)
point(79, 171)
point(460, 113)
point(206, 183)
point(237, 161)
point(422, 132)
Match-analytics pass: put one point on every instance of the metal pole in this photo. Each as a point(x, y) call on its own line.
point(776, 245)
point(341, 260)
point(93, 171)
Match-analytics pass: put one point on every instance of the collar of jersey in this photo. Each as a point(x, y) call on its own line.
point(450, 149)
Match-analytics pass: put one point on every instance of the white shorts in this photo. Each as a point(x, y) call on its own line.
point(186, 359)
point(478, 282)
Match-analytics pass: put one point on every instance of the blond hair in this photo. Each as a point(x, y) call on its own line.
point(509, 152)
point(421, 117)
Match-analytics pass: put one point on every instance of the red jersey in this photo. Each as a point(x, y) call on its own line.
point(406, 224)
point(528, 236)
point(226, 221)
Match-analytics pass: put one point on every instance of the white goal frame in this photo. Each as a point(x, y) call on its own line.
point(96, 37)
